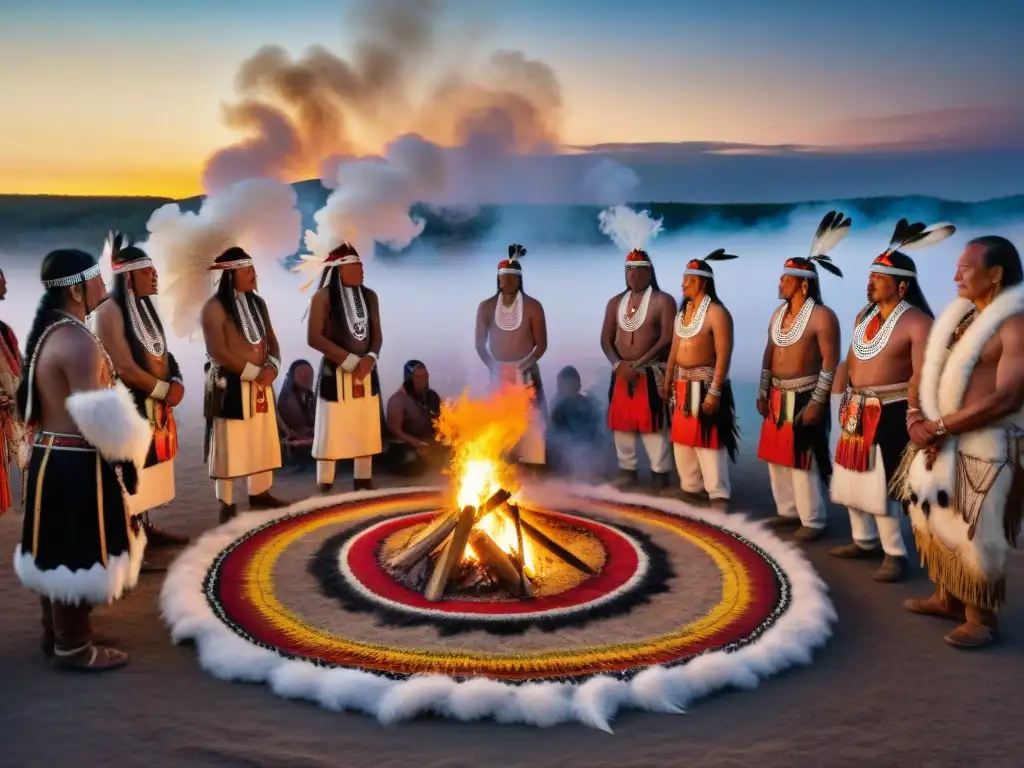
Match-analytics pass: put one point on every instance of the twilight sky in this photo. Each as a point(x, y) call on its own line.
point(726, 100)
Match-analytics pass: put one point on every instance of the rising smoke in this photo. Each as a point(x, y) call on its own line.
point(490, 130)
point(258, 215)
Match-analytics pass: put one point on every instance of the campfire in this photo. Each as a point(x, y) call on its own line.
point(485, 543)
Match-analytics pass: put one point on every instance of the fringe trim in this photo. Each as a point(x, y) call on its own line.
point(898, 486)
point(946, 569)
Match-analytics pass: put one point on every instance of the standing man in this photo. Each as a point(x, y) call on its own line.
point(697, 388)
point(882, 372)
point(636, 338)
point(797, 372)
point(79, 546)
point(344, 325)
point(511, 336)
point(10, 424)
point(245, 358)
point(130, 329)
point(965, 483)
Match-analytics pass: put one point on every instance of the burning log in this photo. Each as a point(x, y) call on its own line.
point(500, 564)
point(426, 541)
point(498, 498)
point(440, 528)
point(451, 555)
point(552, 546)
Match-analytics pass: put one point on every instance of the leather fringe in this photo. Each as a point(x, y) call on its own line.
point(946, 569)
point(898, 488)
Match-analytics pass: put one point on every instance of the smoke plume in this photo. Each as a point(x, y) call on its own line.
point(259, 215)
point(494, 126)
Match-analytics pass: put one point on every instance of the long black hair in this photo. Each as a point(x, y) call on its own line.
point(336, 314)
point(813, 283)
point(709, 284)
point(914, 296)
point(58, 264)
point(1000, 252)
point(119, 295)
point(226, 296)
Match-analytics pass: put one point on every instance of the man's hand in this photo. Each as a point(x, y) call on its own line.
point(174, 394)
point(930, 431)
point(363, 368)
point(762, 407)
point(812, 413)
point(918, 435)
point(711, 404)
point(626, 371)
point(422, 447)
point(267, 376)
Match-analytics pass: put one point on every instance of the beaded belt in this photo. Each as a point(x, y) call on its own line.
point(702, 373)
point(803, 384)
point(63, 440)
point(885, 393)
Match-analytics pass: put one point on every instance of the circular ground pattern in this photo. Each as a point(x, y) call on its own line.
point(685, 601)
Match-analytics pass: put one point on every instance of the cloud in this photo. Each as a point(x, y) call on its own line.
point(960, 129)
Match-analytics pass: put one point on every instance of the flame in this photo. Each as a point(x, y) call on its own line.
point(481, 433)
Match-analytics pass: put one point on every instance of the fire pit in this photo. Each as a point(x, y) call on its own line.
point(485, 544)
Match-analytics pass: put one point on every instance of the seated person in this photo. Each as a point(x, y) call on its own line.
point(412, 410)
point(574, 428)
point(296, 410)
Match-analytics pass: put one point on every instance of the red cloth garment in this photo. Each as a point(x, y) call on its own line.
point(686, 427)
point(778, 441)
point(630, 409)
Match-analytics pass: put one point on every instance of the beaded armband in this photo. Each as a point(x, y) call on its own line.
point(766, 381)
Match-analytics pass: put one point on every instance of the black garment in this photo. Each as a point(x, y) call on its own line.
point(62, 500)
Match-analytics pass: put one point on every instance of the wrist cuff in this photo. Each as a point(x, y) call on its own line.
point(160, 390)
point(250, 372)
point(349, 363)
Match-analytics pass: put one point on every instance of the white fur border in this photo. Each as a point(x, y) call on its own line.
point(805, 626)
point(94, 586)
point(108, 419)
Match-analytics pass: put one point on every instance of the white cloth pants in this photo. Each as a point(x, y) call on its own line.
point(868, 530)
point(799, 493)
point(703, 469)
point(362, 469)
point(656, 446)
point(257, 484)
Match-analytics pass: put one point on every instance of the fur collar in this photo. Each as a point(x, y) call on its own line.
point(946, 373)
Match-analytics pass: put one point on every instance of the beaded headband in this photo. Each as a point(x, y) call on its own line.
point(130, 266)
point(796, 272)
point(228, 265)
point(637, 258)
point(81, 277)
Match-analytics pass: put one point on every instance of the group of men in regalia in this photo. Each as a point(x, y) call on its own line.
point(931, 412)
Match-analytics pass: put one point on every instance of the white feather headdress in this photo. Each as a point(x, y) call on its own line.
point(629, 229)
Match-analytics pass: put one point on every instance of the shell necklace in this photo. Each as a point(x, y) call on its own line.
point(689, 330)
point(865, 350)
point(796, 330)
point(354, 305)
point(631, 321)
point(509, 318)
point(252, 329)
point(144, 326)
